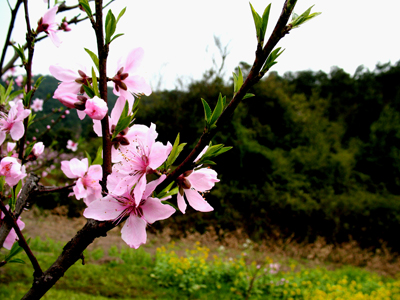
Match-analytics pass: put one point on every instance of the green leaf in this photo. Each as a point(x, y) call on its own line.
point(27, 98)
point(237, 81)
point(111, 25)
point(85, 5)
point(29, 148)
point(89, 91)
point(2, 95)
point(115, 36)
point(167, 192)
point(211, 152)
point(30, 119)
point(248, 95)
point(176, 150)
point(94, 58)
point(264, 24)
point(16, 260)
point(15, 94)
point(38, 82)
point(304, 17)
point(94, 84)
point(122, 12)
point(20, 52)
point(15, 249)
point(257, 22)
point(217, 110)
point(89, 158)
point(2, 182)
point(207, 110)
point(99, 159)
point(9, 89)
point(271, 59)
point(207, 162)
point(123, 122)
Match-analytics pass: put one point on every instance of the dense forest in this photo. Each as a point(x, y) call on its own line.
point(314, 154)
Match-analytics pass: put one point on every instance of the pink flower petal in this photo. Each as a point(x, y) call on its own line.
point(197, 202)
point(78, 167)
point(181, 203)
point(151, 186)
point(17, 131)
point(203, 180)
point(67, 170)
point(133, 60)
point(134, 232)
point(138, 85)
point(154, 210)
point(104, 209)
point(95, 172)
point(63, 74)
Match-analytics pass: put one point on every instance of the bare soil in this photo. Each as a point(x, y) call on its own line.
point(56, 226)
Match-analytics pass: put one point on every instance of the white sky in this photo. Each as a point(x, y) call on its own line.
point(177, 36)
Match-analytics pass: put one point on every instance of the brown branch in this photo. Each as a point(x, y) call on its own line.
point(94, 229)
point(30, 41)
point(52, 189)
point(10, 29)
point(21, 240)
point(254, 76)
point(13, 59)
point(71, 253)
point(102, 50)
point(27, 190)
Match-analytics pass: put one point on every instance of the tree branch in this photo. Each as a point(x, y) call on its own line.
point(10, 29)
point(21, 240)
point(27, 190)
point(71, 253)
point(254, 76)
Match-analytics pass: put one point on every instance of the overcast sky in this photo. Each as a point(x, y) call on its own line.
point(177, 36)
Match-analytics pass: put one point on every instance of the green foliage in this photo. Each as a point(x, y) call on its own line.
point(261, 23)
point(85, 5)
point(94, 57)
point(237, 278)
point(111, 25)
point(127, 273)
point(306, 149)
point(304, 17)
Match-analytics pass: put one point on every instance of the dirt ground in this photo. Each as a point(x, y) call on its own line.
point(55, 225)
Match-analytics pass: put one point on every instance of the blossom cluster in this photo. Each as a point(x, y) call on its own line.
point(128, 194)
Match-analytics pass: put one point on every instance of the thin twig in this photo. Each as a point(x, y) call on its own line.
point(253, 77)
point(10, 29)
point(51, 189)
point(21, 240)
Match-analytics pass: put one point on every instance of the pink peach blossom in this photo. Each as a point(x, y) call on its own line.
point(191, 183)
point(38, 149)
point(71, 145)
point(87, 186)
point(96, 108)
point(48, 25)
point(19, 80)
point(37, 105)
point(141, 157)
point(127, 81)
point(11, 169)
point(140, 212)
point(13, 122)
point(71, 81)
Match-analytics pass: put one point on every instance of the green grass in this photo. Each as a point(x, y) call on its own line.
point(136, 274)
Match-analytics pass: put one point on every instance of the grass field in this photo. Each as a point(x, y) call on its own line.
point(201, 267)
